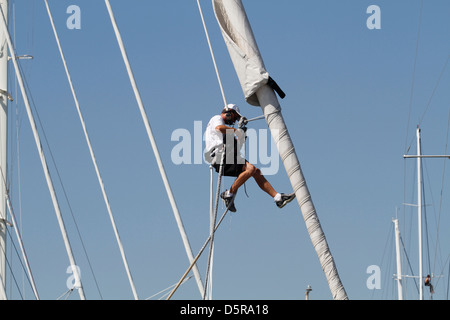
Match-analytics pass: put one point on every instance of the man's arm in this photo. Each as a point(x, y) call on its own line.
point(223, 128)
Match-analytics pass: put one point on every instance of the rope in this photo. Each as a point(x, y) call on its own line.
point(212, 53)
point(65, 294)
point(211, 217)
point(164, 290)
point(219, 181)
point(198, 256)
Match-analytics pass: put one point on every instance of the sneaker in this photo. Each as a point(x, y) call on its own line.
point(228, 200)
point(285, 199)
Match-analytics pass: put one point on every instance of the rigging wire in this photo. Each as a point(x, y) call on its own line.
point(47, 143)
point(388, 241)
point(442, 191)
point(9, 264)
point(409, 263)
point(19, 237)
point(408, 146)
point(41, 153)
point(390, 260)
point(65, 294)
point(94, 161)
point(437, 245)
point(154, 145)
point(436, 86)
point(441, 273)
point(212, 53)
point(413, 76)
point(408, 226)
point(434, 89)
point(29, 273)
point(214, 217)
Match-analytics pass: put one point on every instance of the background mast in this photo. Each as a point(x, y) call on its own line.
point(3, 148)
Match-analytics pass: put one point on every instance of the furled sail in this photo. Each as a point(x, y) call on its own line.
point(244, 52)
point(254, 79)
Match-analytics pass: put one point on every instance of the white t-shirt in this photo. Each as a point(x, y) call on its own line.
point(213, 137)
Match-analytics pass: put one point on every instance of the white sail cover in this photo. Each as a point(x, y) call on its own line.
point(242, 47)
point(251, 71)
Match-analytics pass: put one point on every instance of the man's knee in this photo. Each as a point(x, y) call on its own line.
point(251, 169)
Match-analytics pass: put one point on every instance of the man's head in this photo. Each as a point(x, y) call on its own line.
point(231, 114)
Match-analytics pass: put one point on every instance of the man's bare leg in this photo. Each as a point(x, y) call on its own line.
point(248, 171)
point(264, 184)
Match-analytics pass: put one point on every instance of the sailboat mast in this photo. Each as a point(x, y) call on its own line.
point(419, 157)
point(399, 261)
point(419, 210)
point(3, 149)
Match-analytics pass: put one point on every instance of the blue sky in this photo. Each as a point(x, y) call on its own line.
point(354, 99)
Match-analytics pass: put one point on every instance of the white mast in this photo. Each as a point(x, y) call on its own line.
point(3, 148)
point(399, 261)
point(419, 211)
point(419, 157)
point(4, 200)
point(258, 91)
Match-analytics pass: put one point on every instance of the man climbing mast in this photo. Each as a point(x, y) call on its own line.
point(219, 138)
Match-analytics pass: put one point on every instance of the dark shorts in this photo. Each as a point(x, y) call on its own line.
point(231, 169)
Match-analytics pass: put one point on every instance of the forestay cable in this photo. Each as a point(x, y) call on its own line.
point(42, 157)
point(212, 53)
point(154, 146)
point(94, 161)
